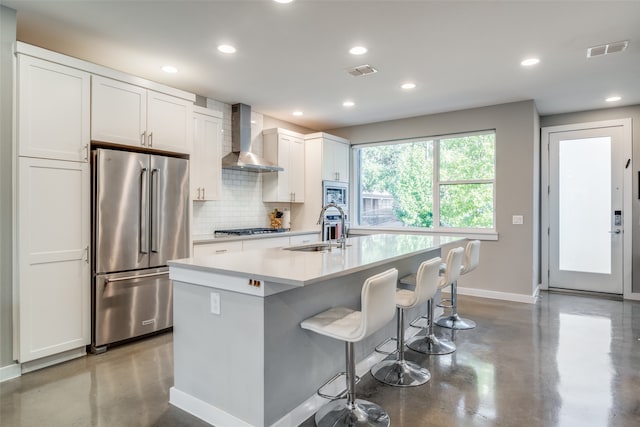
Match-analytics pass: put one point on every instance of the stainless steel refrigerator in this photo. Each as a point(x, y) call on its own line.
point(140, 221)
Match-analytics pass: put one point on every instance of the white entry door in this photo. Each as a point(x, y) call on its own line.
point(586, 206)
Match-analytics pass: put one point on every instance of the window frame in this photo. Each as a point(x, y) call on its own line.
point(355, 204)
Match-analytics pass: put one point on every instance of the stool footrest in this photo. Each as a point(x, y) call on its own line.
point(445, 303)
point(340, 395)
point(378, 349)
point(423, 319)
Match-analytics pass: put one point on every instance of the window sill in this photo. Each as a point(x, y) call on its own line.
point(479, 235)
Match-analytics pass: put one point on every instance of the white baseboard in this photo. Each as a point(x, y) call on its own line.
point(9, 372)
point(203, 410)
point(504, 296)
point(54, 359)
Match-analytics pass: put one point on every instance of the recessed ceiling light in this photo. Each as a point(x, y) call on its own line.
point(283, 1)
point(408, 86)
point(348, 104)
point(169, 69)
point(297, 113)
point(529, 62)
point(613, 98)
point(358, 50)
point(226, 48)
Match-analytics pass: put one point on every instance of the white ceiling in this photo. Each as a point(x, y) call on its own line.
point(461, 54)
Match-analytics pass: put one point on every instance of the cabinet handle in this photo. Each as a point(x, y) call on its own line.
point(203, 192)
point(150, 139)
point(86, 254)
point(220, 251)
point(86, 152)
point(198, 198)
point(142, 138)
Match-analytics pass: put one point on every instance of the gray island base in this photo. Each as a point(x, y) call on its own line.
point(240, 356)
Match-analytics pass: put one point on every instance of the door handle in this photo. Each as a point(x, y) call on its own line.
point(155, 209)
point(616, 231)
point(144, 212)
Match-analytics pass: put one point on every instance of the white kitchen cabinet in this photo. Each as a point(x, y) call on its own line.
point(126, 114)
point(216, 248)
point(301, 239)
point(286, 149)
point(206, 170)
point(271, 242)
point(53, 257)
point(335, 158)
point(53, 110)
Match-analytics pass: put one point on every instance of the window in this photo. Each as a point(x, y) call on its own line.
point(436, 183)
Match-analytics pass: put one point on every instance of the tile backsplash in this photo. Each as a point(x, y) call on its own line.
point(240, 205)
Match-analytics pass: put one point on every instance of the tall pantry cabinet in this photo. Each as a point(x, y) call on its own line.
point(53, 209)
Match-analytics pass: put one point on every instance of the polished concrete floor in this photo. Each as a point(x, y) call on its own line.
point(566, 361)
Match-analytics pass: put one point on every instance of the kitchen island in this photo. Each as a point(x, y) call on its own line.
point(240, 356)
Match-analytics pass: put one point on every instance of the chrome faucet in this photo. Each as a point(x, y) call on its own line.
point(342, 240)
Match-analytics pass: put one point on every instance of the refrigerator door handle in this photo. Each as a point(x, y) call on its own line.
point(139, 276)
point(155, 208)
point(144, 212)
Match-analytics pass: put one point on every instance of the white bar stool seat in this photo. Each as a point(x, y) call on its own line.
point(400, 372)
point(342, 323)
point(470, 262)
point(429, 343)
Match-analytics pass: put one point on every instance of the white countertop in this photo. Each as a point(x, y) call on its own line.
point(211, 238)
point(300, 268)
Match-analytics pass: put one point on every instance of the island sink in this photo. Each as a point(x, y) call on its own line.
point(314, 247)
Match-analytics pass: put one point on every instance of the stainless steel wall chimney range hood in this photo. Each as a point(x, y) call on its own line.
point(241, 157)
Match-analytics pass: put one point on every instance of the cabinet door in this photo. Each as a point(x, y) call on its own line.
point(118, 112)
point(284, 160)
point(169, 123)
point(206, 171)
point(53, 110)
point(341, 161)
point(266, 243)
point(53, 257)
point(296, 170)
point(335, 161)
point(204, 249)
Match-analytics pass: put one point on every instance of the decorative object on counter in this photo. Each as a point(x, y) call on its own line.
point(276, 218)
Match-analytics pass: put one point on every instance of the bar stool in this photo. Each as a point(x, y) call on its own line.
point(400, 372)
point(429, 343)
point(470, 262)
point(377, 309)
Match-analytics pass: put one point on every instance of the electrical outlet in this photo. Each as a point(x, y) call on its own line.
point(517, 220)
point(215, 303)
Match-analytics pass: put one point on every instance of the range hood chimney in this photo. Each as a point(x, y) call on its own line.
point(241, 157)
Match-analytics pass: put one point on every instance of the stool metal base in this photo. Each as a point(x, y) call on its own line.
point(400, 373)
point(362, 413)
point(430, 344)
point(455, 322)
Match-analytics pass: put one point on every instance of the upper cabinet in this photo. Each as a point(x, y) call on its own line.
point(206, 169)
point(126, 114)
point(53, 110)
point(335, 156)
point(286, 149)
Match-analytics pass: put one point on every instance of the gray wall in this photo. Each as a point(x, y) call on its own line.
point(511, 263)
point(7, 42)
point(610, 114)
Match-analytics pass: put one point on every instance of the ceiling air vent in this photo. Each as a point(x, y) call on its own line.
point(362, 70)
point(608, 48)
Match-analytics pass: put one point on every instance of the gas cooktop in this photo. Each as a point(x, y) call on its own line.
point(248, 231)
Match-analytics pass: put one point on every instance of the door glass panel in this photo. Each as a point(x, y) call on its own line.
point(585, 205)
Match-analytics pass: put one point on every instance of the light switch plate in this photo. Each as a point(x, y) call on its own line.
point(215, 303)
point(518, 220)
